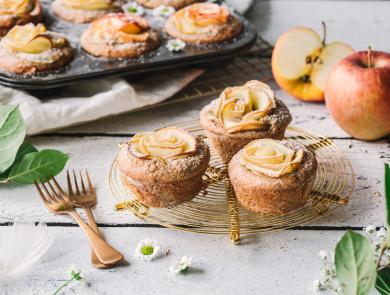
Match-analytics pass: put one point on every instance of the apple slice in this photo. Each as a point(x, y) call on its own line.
point(301, 62)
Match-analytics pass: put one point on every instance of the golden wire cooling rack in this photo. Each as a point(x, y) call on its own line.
point(215, 211)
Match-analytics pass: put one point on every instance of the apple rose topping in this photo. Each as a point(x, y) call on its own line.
point(244, 107)
point(88, 4)
point(15, 6)
point(165, 143)
point(29, 38)
point(270, 157)
point(196, 18)
point(120, 28)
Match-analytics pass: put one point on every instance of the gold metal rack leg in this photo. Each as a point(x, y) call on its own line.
point(234, 220)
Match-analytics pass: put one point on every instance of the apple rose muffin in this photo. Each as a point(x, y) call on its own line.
point(83, 11)
point(203, 23)
point(30, 49)
point(18, 12)
point(242, 114)
point(177, 4)
point(164, 168)
point(271, 176)
point(119, 35)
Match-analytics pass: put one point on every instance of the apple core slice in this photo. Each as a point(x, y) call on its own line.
point(330, 55)
point(292, 50)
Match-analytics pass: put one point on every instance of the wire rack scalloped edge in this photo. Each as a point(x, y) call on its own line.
point(215, 211)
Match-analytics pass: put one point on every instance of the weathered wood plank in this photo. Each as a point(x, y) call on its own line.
point(97, 153)
point(311, 116)
point(266, 264)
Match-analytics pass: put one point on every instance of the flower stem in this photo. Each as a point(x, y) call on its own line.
point(63, 286)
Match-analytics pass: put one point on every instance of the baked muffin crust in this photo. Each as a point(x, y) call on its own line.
point(177, 4)
point(213, 33)
point(260, 193)
point(33, 15)
point(160, 182)
point(110, 47)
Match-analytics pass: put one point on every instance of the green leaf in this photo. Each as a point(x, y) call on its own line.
point(383, 281)
point(24, 149)
point(355, 264)
point(38, 166)
point(12, 133)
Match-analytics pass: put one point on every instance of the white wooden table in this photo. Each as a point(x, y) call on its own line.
point(275, 263)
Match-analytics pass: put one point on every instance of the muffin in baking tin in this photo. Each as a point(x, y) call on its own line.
point(31, 49)
point(203, 23)
point(18, 12)
point(118, 35)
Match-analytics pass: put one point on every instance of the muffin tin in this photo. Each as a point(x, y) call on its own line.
point(85, 66)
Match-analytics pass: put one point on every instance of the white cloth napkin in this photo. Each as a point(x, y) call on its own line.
point(95, 99)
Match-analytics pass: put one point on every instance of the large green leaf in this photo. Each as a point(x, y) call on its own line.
point(355, 264)
point(383, 281)
point(12, 133)
point(38, 166)
point(24, 149)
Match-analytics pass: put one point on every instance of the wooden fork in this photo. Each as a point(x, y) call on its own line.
point(57, 202)
point(85, 198)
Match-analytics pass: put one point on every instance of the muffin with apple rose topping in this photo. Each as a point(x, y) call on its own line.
point(271, 176)
point(119, 35)
point(177, 4)
point(203, 23)
point(30, 49)
point(18, 12)
point(84, 11)
point(165, 167)
point(242, 114)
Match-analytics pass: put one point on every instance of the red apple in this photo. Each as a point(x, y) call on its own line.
point(357, 94)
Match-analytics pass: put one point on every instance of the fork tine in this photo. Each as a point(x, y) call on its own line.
point(89, 182)
point(43, 197)
point(82, 183)
point(75, 183)
point(70, 190)
point(58, 186)
point(52, 198)
point(55, 193)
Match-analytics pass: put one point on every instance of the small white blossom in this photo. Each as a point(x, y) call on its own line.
point(182, 266)
point(318, 285)
point(381, 233)
point(148, 250)
point(133, 8)
point(164, 11)
point(369, 229)
point(175, 45)
point(323, 255)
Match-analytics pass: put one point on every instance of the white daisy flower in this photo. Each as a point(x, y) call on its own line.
point(164, 11)
point(176, 45)
point(318, 286)
point(323, 255)
point(148, 250)
point(369, 229)
point(381, 233)
point(182, 266)
point(133, 8)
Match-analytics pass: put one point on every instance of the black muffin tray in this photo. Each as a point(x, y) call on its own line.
point(85, 66)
